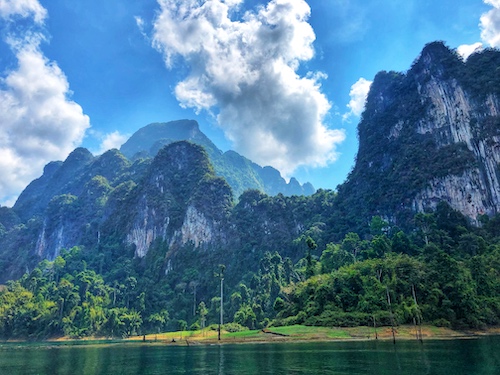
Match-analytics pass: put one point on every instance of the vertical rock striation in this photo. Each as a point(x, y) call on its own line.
point(430, 135)
point(180, 202)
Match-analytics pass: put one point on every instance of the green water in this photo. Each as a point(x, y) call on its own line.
point(453, 357)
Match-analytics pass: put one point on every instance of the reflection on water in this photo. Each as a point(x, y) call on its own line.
point(221, 360)
point(456, 357)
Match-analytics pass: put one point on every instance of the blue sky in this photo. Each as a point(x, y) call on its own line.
point(280, 81)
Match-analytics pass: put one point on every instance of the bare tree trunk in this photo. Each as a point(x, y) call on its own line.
point(221, 304)
point(419, 319)
point(392, 316)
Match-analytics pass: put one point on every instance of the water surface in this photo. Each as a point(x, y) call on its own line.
point(455, 357)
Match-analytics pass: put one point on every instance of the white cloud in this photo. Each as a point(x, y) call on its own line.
point(466, 50)
point(490, 31)
point(39, 121)
point(246, 71)
point(23, 8)
point(359, 92)
point(111, 140)
point(494, 3)
point(140, 24)
point(490, 24)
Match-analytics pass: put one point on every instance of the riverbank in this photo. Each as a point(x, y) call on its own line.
point(296, 333)
point(300, 333)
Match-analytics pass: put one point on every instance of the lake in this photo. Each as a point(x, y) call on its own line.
point(455, 357)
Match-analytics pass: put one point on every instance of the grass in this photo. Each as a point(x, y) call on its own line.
point(302, 333)
point(243, 334)
point(293, 333)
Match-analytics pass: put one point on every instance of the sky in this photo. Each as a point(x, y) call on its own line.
point(282, 82)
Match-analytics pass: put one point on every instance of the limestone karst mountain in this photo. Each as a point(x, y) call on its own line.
point(97, 242)
point(429, 135)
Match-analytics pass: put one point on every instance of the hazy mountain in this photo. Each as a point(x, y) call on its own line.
point(240, 172)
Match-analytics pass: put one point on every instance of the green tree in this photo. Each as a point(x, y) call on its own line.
point(378, 226)
point(158, 321)
point(311, 246)
point(334, 257)
point(245, 316)
point(352, 244)
point(202, 312)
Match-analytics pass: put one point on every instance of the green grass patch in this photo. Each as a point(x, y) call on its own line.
point(301, 330)
point(295, 330)
point(242, 334)
point(338, 334)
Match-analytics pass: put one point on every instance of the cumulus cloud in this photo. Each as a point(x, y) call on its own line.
point(22, 8)
point(359, 92)
point(490, 24)
point(111, 140)
point(466, 50)
point(243, 68)
point(39, 121)
point(490, 31)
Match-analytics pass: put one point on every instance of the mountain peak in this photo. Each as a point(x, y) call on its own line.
point(436, 49)
point(240, 172)
point(438, 60)
point(150, 139)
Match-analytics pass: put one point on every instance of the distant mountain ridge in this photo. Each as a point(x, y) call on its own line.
point(241, 173)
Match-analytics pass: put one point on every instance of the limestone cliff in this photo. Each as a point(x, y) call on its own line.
point(431, 135)
point(457, 115)
point(181, 201)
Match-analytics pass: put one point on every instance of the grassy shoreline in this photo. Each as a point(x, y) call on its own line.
point(290, 334)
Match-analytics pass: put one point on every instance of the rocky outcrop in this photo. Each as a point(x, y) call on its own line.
point(180, 202)
point(147, 227)
point(429, 135)
point(196, 229)
point(455, 115)
point(465, 193)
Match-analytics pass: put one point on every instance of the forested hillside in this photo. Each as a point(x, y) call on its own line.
point(117, 246)
point(445, 273)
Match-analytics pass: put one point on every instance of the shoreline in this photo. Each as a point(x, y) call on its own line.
point(292, 334)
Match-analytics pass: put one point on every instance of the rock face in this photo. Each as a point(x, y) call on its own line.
point(181, 201)
point(457, 115)
point(66, 205)
point(465, 193)
point(431, 135)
